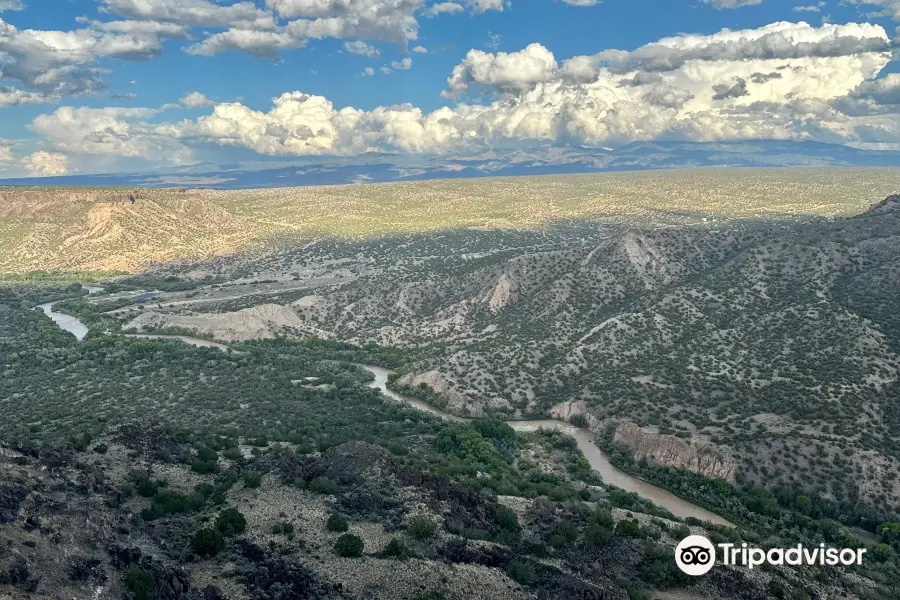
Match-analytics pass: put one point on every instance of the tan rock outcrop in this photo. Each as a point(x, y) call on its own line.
point(670, 451)
point(258, 322)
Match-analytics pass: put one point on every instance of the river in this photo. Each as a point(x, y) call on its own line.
point(595, 457)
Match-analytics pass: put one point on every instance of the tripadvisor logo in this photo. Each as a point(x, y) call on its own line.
point(695, 555)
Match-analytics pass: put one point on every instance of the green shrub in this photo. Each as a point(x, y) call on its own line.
point(283, 528)
point(141, 583)
point(337, 523)
point(395, 549)
point(144, 486)
point(207, 542)
point(323, 485)
point(81, 442)
point(597, 535)
point(506, 518)
point(521, 571)
point(231, 522)
point(421, 527)
point(628, 528)
point(204, 467)
point(348, 546)
point(252, 479)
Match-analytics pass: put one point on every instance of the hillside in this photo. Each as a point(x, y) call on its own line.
point(763, 352)
point(124, 230)
point(775, 344)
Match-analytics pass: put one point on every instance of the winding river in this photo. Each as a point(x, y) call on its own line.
point(595, 457)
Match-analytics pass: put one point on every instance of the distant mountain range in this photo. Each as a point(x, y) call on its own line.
point(378, 167)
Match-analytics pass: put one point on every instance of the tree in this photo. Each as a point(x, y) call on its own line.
point(141, 583)
point(337, 523)
point(252, 479)
point(628, 528)
point(395, 549)
point(597, 535)
point(207, 542)
point(521, 571)
point(421, 527)
point(349, 546)
point(890, 534)
point(231, 522)
point(323, 485)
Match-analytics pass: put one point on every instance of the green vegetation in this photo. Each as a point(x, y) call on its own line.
point(349, 546)
point(323, 485)
point(337, 523)
point(421, 527)
point(231, 522)
point(141, 583)
point(396, 549)
point(283, 528)
point(207, 542)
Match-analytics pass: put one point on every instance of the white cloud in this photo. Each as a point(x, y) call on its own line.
point(444, 8)
point(480, 6)
point(404, 64)
point(196, 100)
point(114, 131)
point(886, 8)
point(505, 71)
point(193, 13)
point(784, 81)
point(6, 154)
point(420, 50)
point(60, 62)
point(809, 8)
point(583, 2)
point(362, 48)
point(368, 72)
point(11, 5)
point(46, 164)
point(259, 43)
point(720, 4)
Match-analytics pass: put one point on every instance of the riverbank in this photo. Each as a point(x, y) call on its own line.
point(584, 438)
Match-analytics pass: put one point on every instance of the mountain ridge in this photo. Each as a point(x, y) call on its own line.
point(554, 160)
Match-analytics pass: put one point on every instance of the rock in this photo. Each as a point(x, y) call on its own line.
point(670, 451)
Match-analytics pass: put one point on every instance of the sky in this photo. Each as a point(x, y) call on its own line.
point(91, 86)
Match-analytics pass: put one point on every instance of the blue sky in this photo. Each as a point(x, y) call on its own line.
point(92, 85)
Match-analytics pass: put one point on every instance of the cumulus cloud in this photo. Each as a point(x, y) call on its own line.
point(362, 48)
point(724, 91)
point(59, 63)
point(878, 97)
point(784, 81)
point(193, 13)
point(114, 131)
point(46, 164)
point(404, 64)
point(881, 8)
point(11, 5)
point(444, 8)
point(480, 6)
point(513, 71)
point(195, 100)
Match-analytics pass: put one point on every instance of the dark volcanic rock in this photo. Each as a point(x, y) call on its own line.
point(281, 578)
point(11, 497)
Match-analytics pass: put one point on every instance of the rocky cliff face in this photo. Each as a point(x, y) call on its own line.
point(564, 411)
point(670, 451)
point(458, 401)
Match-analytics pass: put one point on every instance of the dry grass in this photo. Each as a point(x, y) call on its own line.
point(66, 230)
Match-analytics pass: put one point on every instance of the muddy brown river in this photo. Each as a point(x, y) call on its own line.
point(585, 439)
